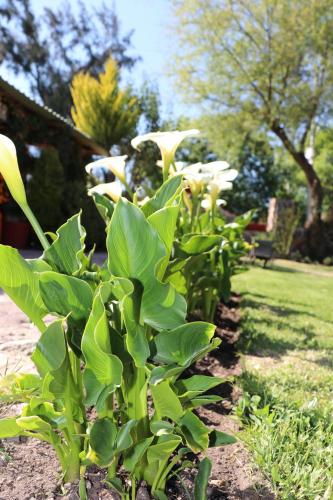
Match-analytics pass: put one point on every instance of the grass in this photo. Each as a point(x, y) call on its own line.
point(287, 341)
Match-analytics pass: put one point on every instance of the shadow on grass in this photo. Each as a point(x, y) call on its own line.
point(255, 340)
point(278, 310)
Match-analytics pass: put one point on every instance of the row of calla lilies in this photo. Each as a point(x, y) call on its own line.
point(112, 386)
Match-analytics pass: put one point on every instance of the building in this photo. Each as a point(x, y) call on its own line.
point(34, 129)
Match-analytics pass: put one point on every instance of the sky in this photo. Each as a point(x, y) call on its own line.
point(149, 19)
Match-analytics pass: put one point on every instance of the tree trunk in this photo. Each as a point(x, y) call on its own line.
point(315, 237)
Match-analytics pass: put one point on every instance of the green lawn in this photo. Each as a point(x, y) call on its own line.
point(287, 342)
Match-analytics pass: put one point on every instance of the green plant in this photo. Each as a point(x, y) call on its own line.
point(120, 340)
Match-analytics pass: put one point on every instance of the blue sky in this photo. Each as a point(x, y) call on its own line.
point(150, 20)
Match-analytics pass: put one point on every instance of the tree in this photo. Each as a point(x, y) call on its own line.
point(263, 65)
point(145, 171)
point(50, 49)
point(46, 189)
point(102, 109)
point(260, 178)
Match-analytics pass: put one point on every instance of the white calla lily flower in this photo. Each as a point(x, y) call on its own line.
point(206, 203)
point(116, 164)
point(112, 189)
point(10, 171)
point(222, 182)
point(167, 142)
point(214, 167)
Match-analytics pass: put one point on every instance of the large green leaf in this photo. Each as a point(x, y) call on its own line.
point(104, 206)
point(201, 481)
point(21, 284)
point(166, 402)
point(164, 196)
point(165, 222)
point(218, 438)
point(193, 244)
point(33, 423)
point(103, 370)
point(135, 249)
point(51, 356)
point(129, 295)
point(195, 432)
point(65, 253)
point(193, 386)
point(66, 295)
point(134, 455)
point(124, 439)
point(9, 428)
point(164, 447)
point(102, 439)
point(185, 344)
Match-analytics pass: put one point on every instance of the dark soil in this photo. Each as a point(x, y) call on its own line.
point(29, 469)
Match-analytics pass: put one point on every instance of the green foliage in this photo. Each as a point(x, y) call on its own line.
point(48, 48)
point(121, 336)
point(101, 109)
point(231, 61)
point(261, 176)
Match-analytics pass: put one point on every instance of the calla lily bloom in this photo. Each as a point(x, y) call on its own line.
point(116, 164)
point(112, 189)
point(168, 143)
point(221, 182)
point(206, 203)
point(10, 170)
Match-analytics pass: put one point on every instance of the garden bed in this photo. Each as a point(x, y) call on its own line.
point(29, 469)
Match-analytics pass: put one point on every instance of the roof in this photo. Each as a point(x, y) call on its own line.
point(52, 117)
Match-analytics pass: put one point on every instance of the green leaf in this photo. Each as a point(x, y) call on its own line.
point(33, 423)
point(193, 386)
point(104, 206)
point(165, 195)
point(38, 265)
point(165, 222)
point(192, 244)
point(103, 370)
point(202, 401)
point(161, 427)
point(129, 294)
point(201, 481)
point(22, 285)
point(160, 373)
point(135, 249)
point(17, 387)
point(136, 453)
point(51, 356)
point(166, 445)
point(160, 495)
point(178, 281)
point(66, 295)
point(195, 432)
point(184, 344)
point(166, 402)
point(65, 253)
point(124, 438)
point(9, 428)
point(102, 439)
point(218, 438)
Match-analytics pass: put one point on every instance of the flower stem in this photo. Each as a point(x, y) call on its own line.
point(36, 227)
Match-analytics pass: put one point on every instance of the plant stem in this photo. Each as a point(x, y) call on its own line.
point(36, 227)
point(133, 484)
